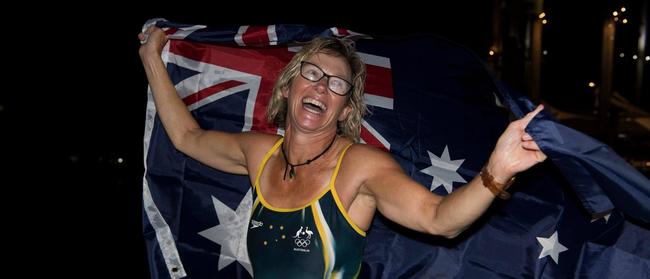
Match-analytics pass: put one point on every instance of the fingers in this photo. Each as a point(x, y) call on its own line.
point(533, 147)
point(532, 114)
point(144, 35)
point(526, 137)
point(152, 41)
point(530, 145)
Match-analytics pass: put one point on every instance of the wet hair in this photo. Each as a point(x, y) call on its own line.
point(350, 127)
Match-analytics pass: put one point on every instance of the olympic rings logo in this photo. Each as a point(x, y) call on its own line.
point(302, 243)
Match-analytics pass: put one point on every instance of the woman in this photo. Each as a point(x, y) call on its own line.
point(316, 189)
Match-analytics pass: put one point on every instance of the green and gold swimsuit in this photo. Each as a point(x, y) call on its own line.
point(317, 240)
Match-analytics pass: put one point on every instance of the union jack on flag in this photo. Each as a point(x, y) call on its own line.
point(435, 109)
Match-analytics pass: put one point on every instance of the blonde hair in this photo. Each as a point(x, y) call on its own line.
point(350, 127)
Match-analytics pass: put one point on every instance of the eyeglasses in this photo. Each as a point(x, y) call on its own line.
point(314, 73)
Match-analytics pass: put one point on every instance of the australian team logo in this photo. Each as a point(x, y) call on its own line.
point(302, 239)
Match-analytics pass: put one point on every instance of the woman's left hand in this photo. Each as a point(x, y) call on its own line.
point(515, 150)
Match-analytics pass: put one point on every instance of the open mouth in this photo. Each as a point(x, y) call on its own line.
point(313, 105)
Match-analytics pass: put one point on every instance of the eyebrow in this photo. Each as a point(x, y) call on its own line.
point(321, 68)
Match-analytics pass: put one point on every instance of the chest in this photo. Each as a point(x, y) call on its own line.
point(283, 191)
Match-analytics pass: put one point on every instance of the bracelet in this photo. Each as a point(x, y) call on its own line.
point(498, 189)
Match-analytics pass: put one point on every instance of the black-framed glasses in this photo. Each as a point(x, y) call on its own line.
point(338, 85)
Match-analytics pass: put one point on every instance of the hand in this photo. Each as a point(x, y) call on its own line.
point(152, 42)
point(515, 150)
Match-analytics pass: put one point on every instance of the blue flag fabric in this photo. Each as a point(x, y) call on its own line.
point(597, 174)
point(438, 112)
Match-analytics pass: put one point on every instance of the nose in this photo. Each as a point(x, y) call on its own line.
point(321, 85)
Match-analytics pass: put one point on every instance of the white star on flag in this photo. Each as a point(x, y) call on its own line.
point(551, 246)
point(443, 170)
point(231, 232)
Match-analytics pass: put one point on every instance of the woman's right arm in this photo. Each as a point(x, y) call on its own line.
point(220, 150)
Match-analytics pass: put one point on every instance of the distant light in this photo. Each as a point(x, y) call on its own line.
point(491, 52)
point(615, 18)
point(545, 52)
point(647, 164)
point(622, 135)
point(544, 21)
point(624, 20)
point(647, 58)
point(592, 84)
point(623, 9)
point(615, 13)
point(120, 160)
point(621, 55)
point(634, 57)
point(541, 15)
point(74, 158)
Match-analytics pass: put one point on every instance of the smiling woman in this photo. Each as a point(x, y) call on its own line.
point(313, 222)
point(350, 126)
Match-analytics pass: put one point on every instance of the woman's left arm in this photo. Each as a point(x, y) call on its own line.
point(404, 201)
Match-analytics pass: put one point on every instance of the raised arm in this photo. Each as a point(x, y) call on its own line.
point(220, 150)
point(402, 200)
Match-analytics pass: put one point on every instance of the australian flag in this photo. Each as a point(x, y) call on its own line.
point(435, 108)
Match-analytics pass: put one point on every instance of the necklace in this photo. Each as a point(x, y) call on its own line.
point(292, 167)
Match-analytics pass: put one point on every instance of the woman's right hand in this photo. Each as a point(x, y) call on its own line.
point(152, 41)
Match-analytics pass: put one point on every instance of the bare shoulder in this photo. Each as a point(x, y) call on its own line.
point(260, 137)
point(255, 145)
point(257, 142)
point(371, 162)
point(369, 156)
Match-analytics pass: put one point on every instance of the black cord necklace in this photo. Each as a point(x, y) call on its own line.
point(292, 167)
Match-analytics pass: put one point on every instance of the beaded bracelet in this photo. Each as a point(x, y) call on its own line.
point(498, 189)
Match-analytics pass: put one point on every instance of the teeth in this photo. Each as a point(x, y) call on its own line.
point(314, 102)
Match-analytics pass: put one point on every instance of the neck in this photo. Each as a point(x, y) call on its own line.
point(290, 166)
point(301, 147)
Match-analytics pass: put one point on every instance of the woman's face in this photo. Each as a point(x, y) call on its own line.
point(312, 106)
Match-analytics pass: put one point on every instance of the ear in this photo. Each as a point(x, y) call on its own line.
point(285, 92)
point(344, 114)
